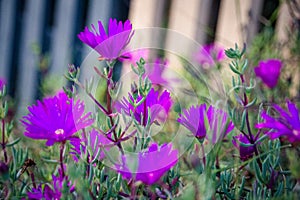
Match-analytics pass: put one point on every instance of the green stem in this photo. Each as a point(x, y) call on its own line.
point(61, 158)
point(3, 141)
point(109, 108)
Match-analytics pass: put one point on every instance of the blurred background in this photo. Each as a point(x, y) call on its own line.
point(39, 37)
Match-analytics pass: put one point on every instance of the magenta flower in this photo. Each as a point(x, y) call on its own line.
point(269, 71)
point(53, 192)
point(209, 54)
point(134, 56)
point(82, 144)
point(195, 119)
point(148, 167)
point(55, 119)
point(286, 124)
point(154, 72)
point(2, 83)
point(159, 105)
point(246, 152)
point(111, 44)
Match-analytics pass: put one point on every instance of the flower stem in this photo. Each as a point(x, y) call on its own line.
point(252, 140)
point(203, 154)
point(92, 97)
point(32, 179)
point(109, 108)
point(3, 141)
point(61, 158)
point(145, 113)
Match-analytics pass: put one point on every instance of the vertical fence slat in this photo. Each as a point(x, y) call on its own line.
point(28, 62)
point(62, 37)
point(253, 19)
point(7, 14)
point(233, 16)
point(184, 19)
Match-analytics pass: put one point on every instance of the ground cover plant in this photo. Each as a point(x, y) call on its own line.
point(220, 138)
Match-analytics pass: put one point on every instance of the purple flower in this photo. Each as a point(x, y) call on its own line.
point(40, 193)
point(94, 136)
point(148, 167)
point(195, 119)
point(159, 106)
point(268, 71)
point(53, 192)
point(2, 83)
point(154, 72)
point(286, 125)
point(246, 152)
point(111, 44)
point(134, 56)
point(209, 54)
point(55, 119)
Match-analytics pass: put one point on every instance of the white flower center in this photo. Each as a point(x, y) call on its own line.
point(59, 131)
point(296, 132)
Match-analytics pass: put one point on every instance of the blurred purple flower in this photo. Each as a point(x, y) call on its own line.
point(195, 119)
point(148, 167)
point(287, 124)
point(245, 152)
point(154, 72)
point(94, 136)
point(269, 71)
point(54, 192)
point(217, 119)
point(2, 83)
point(159, 105)
point(209, 54)
point(55, 119)
point(134, 56)
point(111, 44)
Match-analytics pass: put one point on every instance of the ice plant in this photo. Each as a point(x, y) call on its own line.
point(286, 124)
point(195, 118)
point(111, 44)
point(148, 167)
point(55, 119)
point(269, 71)
point(242, 143)
point(96, 141)
point(159, 105)
point(209, 54)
